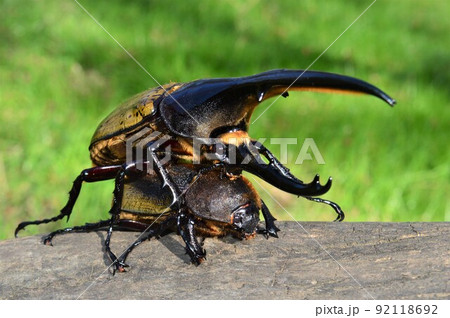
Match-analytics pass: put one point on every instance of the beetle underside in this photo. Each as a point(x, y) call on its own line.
point(196, 191)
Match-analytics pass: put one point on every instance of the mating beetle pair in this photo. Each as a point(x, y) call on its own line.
point(201, 194)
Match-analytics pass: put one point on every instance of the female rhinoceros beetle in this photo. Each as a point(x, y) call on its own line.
point(176, 116)
point(217, 204)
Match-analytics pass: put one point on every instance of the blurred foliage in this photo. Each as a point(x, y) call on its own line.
point(61, 73)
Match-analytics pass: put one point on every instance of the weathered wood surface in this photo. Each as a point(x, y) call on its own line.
point(307, 261)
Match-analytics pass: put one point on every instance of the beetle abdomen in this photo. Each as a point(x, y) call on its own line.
point(145, 196)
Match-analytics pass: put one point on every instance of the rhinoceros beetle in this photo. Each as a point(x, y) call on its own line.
point(177, 115)
point(217, 204)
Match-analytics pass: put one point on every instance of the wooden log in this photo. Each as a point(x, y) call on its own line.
point(307, 261)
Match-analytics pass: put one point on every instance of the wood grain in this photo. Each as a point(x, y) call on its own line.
point(307, 261)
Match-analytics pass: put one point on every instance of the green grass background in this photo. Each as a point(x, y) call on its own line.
point(61, 74)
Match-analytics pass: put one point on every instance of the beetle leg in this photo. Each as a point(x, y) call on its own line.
point(284, 172)
point(271, 229)
point(185, 225)
point(248, 159)
point(274, 162)
point(126, 225)
point(336, 207)
point(121, 224)
point(167, 180)
point(88, 227)
point(147, 234)
point(158, 166)
point(115, 212)
point(88, 175)
point(119, 263)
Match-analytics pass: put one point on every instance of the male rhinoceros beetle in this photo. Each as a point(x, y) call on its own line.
point(179, 115)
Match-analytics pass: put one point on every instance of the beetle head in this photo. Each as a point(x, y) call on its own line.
point(245, 219)
point(207, 108)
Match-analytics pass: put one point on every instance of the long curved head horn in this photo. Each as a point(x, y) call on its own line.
point(197, 108)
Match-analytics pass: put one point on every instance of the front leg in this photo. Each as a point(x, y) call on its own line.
point(337, 208)
point(248, 158)
point(186, 225)
point(271, 228)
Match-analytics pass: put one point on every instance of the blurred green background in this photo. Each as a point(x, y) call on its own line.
point(61, 74)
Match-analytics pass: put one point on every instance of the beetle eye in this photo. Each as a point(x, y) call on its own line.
point(246, 218)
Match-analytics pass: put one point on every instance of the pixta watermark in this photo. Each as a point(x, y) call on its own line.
point(147, 146)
